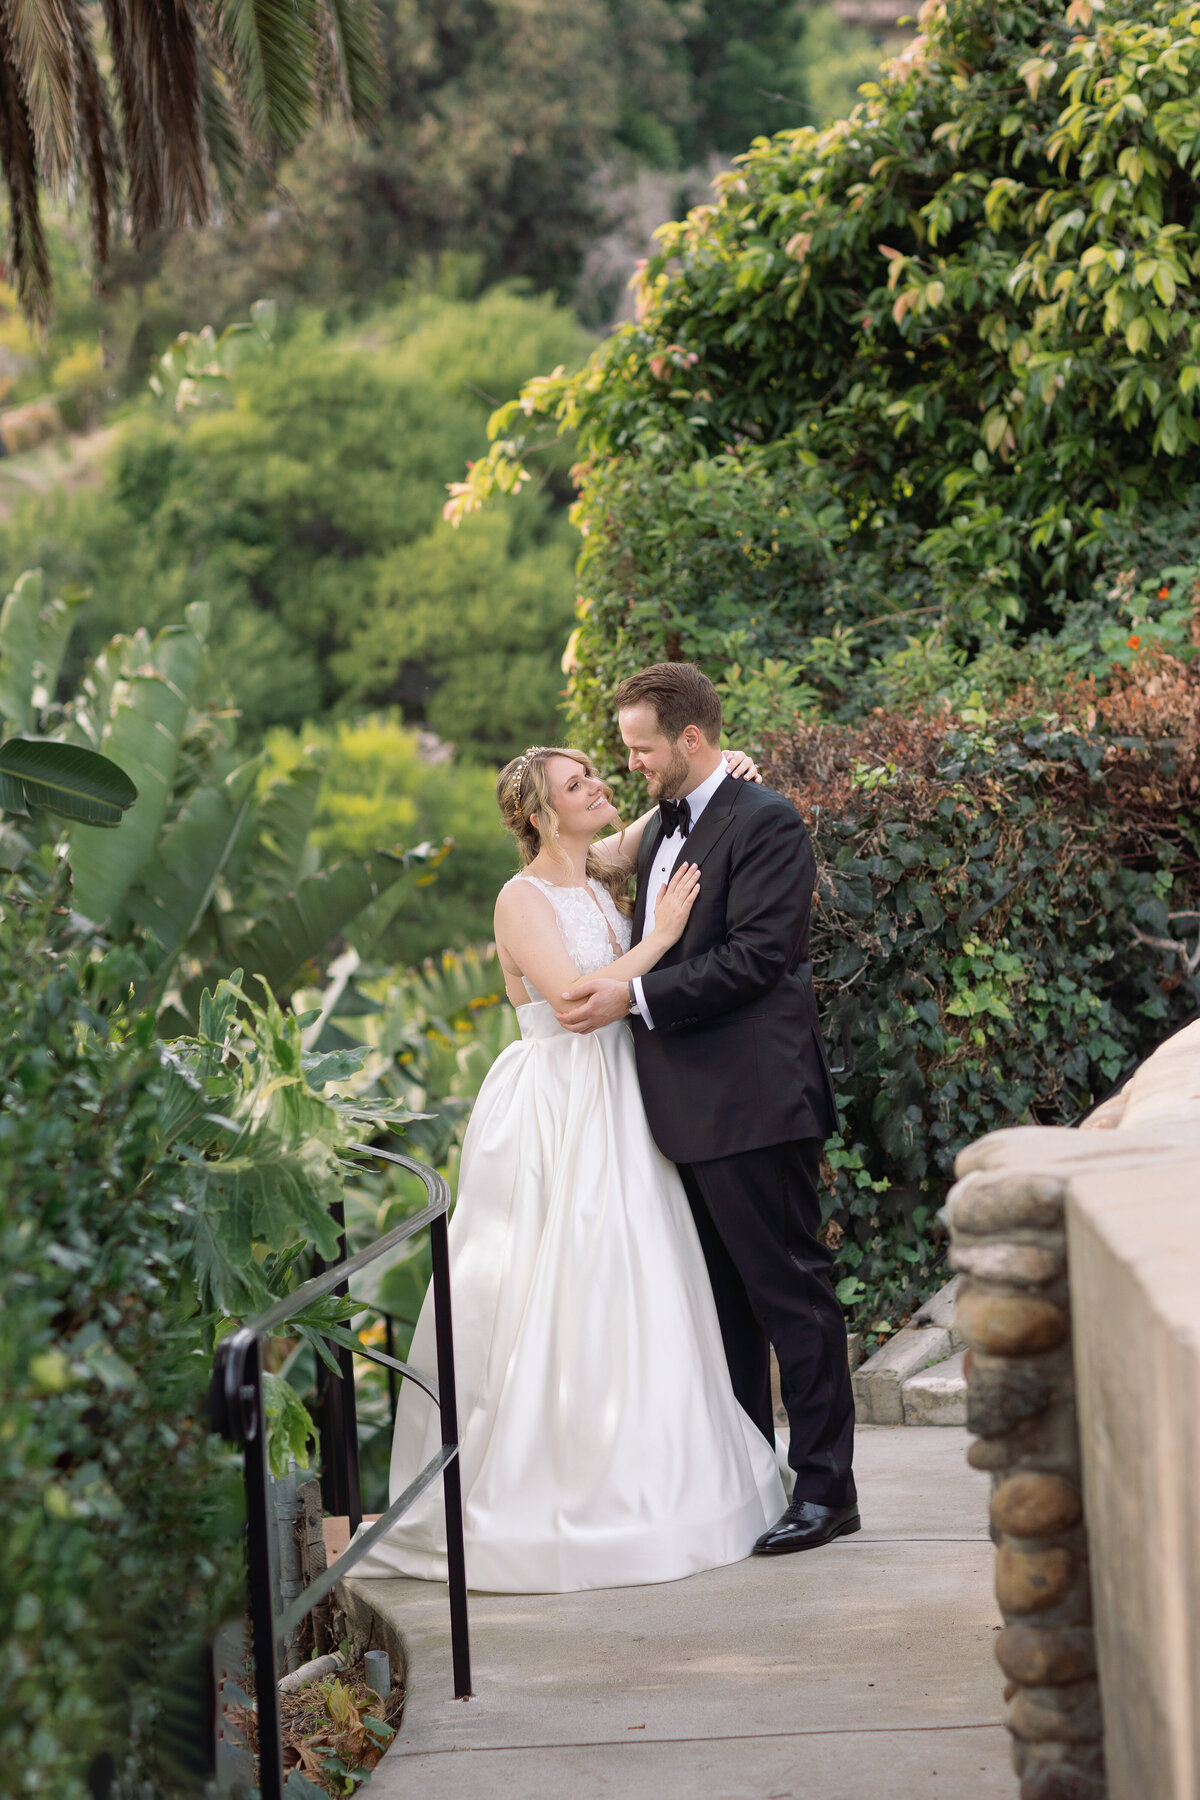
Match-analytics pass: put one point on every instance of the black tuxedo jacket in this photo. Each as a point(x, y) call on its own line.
point(735, 1060)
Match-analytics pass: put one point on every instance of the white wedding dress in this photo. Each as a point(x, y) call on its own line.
point(601, 1444)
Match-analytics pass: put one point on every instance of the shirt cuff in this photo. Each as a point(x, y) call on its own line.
point(640, 1007)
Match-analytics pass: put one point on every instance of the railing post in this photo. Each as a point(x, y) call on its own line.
point(239, 1414)
point(337, 1413)
point(259, 1564)
point(456, 1564)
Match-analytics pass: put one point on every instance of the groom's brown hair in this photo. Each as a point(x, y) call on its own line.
point(681, 695)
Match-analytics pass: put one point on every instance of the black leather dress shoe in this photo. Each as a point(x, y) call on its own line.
point(805, 1526)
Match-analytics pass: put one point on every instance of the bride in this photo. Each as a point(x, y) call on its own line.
point(601, 1444)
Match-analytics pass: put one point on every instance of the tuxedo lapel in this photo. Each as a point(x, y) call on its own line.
point(711, 825)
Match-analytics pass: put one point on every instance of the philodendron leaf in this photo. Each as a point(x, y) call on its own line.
point(79, 784)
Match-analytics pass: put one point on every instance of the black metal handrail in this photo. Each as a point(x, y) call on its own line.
point(238, 1412)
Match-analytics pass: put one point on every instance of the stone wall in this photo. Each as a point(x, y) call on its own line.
point(1079, 1255)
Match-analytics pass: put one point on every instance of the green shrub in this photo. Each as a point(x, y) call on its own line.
point(121, 1509)
point(155, 1194)
point(1007, 909)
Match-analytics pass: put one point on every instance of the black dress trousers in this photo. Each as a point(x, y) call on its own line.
point(758, 1214)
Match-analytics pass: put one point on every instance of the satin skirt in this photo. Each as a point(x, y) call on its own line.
point(601, 1444)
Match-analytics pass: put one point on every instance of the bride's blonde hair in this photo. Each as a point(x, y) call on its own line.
point(523, 794)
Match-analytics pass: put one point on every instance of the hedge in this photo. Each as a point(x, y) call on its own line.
point(1007, 921)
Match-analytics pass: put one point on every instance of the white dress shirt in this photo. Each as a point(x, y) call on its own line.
point(664, 858)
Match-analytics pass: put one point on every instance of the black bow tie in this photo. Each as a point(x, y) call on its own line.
point(676, 816)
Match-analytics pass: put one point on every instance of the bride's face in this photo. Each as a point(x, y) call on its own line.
point(577, 796)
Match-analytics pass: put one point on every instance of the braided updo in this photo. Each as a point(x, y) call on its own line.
point(523, 792)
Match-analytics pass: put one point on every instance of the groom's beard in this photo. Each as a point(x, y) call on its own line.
point(673, 780)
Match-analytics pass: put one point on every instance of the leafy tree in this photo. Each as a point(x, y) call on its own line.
point(306, 514)
point(192, 87)
point(601, 89)
point(921, 366)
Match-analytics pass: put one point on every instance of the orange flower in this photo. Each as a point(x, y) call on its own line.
point(1164, 592)
point(1134, 642)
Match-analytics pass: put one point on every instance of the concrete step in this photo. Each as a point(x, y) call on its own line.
point(882, 1382)
point(878, 1384)
point(937, 1395)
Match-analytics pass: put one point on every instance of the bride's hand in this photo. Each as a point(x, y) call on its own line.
point(674, 903)
point(741, 766)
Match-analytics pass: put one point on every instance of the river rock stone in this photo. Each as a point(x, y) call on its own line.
point(1069, 1714)
point(1029, 1581)
point(1062, 1772)
point(1030, 1265)
point(1042, 1655)
point(988, 1205)
point(1031, 1504)
point(1010, 1324)
point(1001, 1393)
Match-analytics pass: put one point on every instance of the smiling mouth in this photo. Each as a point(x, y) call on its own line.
point(600, 801)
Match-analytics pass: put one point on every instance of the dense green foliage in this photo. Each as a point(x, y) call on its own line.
point(909, 419)
point(909, 376)
point(214, 864)
point(307, 516)
point(153, 1192)
point(507, 133)
point(1007, 920)
point(121, 1509)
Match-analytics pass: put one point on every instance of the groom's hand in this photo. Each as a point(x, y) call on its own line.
point(593, 1002)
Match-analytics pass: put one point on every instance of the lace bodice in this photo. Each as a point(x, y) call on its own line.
point(586, 916)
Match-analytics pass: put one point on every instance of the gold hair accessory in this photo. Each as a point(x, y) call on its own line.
point(514, 786)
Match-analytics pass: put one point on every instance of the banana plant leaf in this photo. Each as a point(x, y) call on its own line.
point(149, 712)
point(34, 632)
point(175, 887)
point(273, 852)
point(78, 784)
point(279, 945)
point(285, 820)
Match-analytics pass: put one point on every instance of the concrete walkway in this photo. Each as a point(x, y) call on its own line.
point(858, 1672)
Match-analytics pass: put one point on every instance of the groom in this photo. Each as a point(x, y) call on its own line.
point(735, 1081)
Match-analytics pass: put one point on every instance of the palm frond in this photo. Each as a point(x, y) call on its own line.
point(352, 32)
point(18, 155)
point(146, 201)
point(176, 81)
point(43, 50)
point(271, 45)
point(221, 134)
point(158, 63)
point(97, 148)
